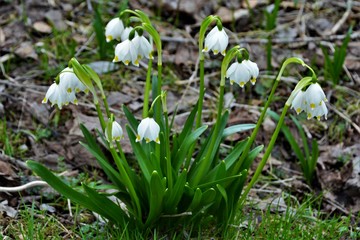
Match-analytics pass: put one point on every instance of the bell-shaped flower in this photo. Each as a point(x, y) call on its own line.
point(126, 52)
point(114, 29)
point(253, 69)
point(319, 111)
point(70, 82)
point(57, 95)
point(314, 96)
point(217, 41)
point(298, 103)
point(149, 130)
point(312, 101)
point(125, 34)
point(238, 73)
point(143, 46)
point(116, 132)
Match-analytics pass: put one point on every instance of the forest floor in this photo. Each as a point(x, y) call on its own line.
point(38, 38)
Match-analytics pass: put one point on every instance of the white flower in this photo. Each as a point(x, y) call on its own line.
point(312, 101)
point(314, 96)
point(57, 95)
point(253, 69)
point(116, 132)
point(149, 130)
point(113, 29)
point(70, 82)
point(298, 103)
point(238, 73)
point(216, 41)
point(319, 111)
point(126, 52)
point(126, 32)
point(143, 46)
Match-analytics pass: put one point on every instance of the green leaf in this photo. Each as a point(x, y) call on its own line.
point(144, 163)
point(130, 117)
point(237, 128)
point(179, 156)
point(157, 191)
point(234, 155)
point(208, 197)
point(108, 206)
point(65, 190)
point(175, 194)
point(188, 126)
point(196, 200)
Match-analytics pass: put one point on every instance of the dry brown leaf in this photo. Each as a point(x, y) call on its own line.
point(26, 50)
point(42, 27)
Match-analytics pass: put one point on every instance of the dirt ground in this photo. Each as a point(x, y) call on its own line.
point(38, 38)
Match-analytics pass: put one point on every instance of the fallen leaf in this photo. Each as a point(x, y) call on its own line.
point(2, 37)
point(26, 50)
point(56, 18)
point(42, 27)
point(10, 212)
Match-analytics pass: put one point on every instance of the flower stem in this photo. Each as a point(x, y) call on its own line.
point(168, 155)
point(266, 155)
point(106, 106)
point(147, 90)
point(100, 115)
point(263, 113)
point(158, 104)
point(201, 92)
point(127, 181)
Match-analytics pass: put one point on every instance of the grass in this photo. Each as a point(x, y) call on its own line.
point(294, 222)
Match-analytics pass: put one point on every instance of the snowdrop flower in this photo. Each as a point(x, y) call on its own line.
point(143, 46)
point(70, 82)
point(149, 130)
point(114, 29)
point(56, 94)
point(216, 41)
point(298, 103)
point(315, 96)
point(253, 69)
point(116, 132)
point(125, 34)
point(238, 73)
point(126, 52)
point(312, 101)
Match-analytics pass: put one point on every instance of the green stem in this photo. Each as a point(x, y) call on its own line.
point(201, 92)
point(106, 106)
point(255, 131)
point(168, 155)
point(205, 164)
point(266, 155)
point(127, 182)
point(269, 53)
point(100, 115)
point(262, 115)
point(158, 103)
point(147, 90)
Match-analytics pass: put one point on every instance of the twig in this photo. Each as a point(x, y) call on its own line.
point(23, 187)
point(342, 19)
point(344, 116)
point(178, 215)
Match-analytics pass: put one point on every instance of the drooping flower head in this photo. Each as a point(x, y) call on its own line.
point(253, 69)
point(57, 95)
point(312, 101)
point(149, 130)
point(217, 41)
point(114, 29)
point(126, 52)
point(238, 73)
point(143, 46)
point(70, 82)
point(116, 132)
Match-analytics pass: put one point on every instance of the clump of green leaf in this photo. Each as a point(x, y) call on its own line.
point(334, 65)
point(307, 157)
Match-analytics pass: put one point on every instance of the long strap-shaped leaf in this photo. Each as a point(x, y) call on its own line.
point(157, 191)
point(68, 192)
